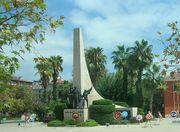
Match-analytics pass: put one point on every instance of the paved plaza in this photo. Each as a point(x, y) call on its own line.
point(163, 126)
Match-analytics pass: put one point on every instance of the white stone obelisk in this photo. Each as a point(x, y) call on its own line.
point(81, 78)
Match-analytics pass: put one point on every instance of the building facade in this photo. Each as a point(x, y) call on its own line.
point(36, 87)
point(18, 81)
point(39, 90)
point(172, 94)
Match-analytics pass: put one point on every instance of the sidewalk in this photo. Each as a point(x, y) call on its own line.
point(165, 125)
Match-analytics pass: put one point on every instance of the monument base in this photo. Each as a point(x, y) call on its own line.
point(132, 111)
point(81, 115)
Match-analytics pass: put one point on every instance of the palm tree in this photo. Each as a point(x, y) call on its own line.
point(56, 65)
point(132, 77)
point(96, 61)
point(45, 71)
point(153, 81)
point(120, 61)
point(143, 56)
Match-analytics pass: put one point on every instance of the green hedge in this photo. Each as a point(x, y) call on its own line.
point(102, 109)
point(102, 102)
point(71, 122)
point(88, 123)
point(103, 118)
point(124, 121)
point(56, 123)
point(124, 104)
point(140, 111)
point(133, 120)
point(59, 111)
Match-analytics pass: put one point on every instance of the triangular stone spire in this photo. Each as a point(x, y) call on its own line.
point(81, 78)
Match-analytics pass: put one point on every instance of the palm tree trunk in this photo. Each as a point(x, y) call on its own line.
point(151, 102)
point(45, 85)
point(55, 75)
point(125, 84)
point(45, 94)
point(139, 94)
point(54, 91)
point(130, 92)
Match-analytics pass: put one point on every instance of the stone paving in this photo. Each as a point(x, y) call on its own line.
point(165, 125)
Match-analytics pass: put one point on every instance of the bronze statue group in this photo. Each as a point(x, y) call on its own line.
point(78, 100)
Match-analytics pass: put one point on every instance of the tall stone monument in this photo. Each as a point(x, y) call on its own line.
point(81, 78)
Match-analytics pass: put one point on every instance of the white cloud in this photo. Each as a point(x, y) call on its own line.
point(56, 44)
point(106, 23)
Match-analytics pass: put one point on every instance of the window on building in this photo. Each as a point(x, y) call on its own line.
point(177, 86)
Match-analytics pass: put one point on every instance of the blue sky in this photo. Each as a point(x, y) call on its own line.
point(105, 23)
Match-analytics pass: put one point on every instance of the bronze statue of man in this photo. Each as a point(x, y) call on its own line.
point(85, 95)
point(74, 97)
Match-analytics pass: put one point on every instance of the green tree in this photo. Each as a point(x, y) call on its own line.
point(109, 86)
point(7, 67)
point(56, 65)
point(171, 45)
point(96, 61)
point(25, 94)
point(7, 93)
point(153, 82)
point(16, 99)
point(120, 61)
point(142, 58)
point(106, 86)
point(23, 100)
point(22, 23)
point(45, 71)
point(63, 91)
point(132, 77)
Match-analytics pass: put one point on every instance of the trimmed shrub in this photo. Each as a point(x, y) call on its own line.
point(140, 111)
point(59, 111)
point(58, 123)
point(124, 104)
point(103, 118)
point(102, 102)
point(71, 122)
point(133, 120)
point(55, 123)
point(124, 121)
point(88, 123)
point(102, 109)
point(116, 122)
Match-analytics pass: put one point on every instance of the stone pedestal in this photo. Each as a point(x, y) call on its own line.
point(81, 115)
point(132, 111)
